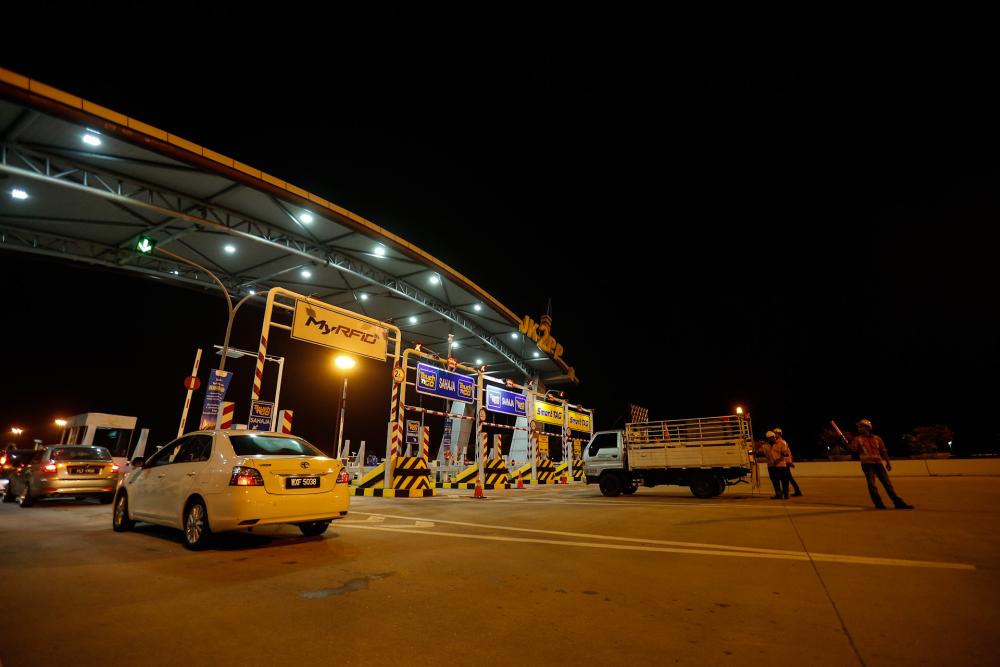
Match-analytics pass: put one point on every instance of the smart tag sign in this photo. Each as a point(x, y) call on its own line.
point(507, 402)
point(439, 382)
point(260, 416)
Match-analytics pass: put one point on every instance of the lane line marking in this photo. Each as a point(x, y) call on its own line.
point(797, 556)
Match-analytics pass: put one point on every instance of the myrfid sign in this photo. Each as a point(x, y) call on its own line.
point(315, 324)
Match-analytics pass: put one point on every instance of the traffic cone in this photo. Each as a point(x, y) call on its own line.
point(520, 482)
point(479, 488)
point(564, 478)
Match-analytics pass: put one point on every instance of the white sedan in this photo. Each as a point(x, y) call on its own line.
point(214, 481)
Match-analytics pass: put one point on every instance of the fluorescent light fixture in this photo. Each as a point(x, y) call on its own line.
point(413, 320)
point(252, 291)
point(91, 139)
point(175, 272)
point(306, 217)
point(380, 251)
point(513, 335)
point(363, 296)
point(534, 354)
point(479, 362)
point(306, 273)
point(230, 248)
point(435, 280)
point(18, 193)
point(477, 307)
point(455, 344)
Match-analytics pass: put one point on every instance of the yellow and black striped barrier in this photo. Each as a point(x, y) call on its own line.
point(410, 479)
point(578, 474)
point(494, 472)
point(544, 468)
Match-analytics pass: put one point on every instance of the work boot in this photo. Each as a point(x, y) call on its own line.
point(880, 506)
point(903, 506)
point(775, 497)
point(786, 496)
point(796, 494)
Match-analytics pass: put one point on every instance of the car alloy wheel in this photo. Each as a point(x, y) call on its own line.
point(196, 526)
point(120, 520)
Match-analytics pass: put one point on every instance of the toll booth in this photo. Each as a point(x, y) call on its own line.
point(113, 432)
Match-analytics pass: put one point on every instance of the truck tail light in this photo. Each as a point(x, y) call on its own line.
point(243, 476)
point(343, 477)
point(50, 467)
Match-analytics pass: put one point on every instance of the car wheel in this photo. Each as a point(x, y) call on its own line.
point(27, 500)
point(703, 487)
point(196, 530)
point(120, 520)
point(611, 485)
point(720, 486)
point(314, 528)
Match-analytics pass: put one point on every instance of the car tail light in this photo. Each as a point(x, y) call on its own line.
point(50, 467)
point(3, 459)
point(343, 477)
point(243, 476)
point(114, 467)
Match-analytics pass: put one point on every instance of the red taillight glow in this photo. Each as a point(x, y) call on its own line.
point(50, 467)
point(114, 467)
point(3, 459)
point(343, 477)
point(243, 476)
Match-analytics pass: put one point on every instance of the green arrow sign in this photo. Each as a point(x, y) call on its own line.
point(145, 245)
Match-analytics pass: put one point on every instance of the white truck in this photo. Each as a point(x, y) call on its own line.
point(706, 454)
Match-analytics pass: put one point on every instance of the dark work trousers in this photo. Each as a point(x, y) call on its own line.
point(791, 480)
point(772, 472)
point(784, 475)
point(873, 470)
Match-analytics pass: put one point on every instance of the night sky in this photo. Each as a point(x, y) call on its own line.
point(801, 221)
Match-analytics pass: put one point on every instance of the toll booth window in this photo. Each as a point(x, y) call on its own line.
point(115, 440)
point(603, 441)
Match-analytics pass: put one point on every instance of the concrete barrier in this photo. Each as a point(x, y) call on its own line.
point(900, 468)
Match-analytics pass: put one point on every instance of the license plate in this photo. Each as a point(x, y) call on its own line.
point(301, 482)
point(83, 470)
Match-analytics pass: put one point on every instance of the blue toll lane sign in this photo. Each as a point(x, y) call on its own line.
point(439, 382)
point(218, 383)
point(412, 432)
point(260, 416)
point(507, 402)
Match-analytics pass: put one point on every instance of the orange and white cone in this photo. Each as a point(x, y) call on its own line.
point(520, 482)
point(479, 488)
point(564, 478)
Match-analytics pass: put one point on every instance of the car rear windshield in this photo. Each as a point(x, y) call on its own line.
point(80, 454)
point(271, 445)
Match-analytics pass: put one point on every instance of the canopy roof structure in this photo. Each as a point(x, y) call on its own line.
point(82, 182)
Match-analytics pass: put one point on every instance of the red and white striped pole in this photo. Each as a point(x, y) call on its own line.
point(497, 446)
point(426, 443)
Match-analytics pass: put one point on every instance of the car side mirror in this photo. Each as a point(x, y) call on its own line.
point(137, 462)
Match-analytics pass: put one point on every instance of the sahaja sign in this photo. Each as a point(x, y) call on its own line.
point(507, 402)
point(439, 382)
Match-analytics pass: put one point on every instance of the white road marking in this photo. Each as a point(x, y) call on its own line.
point(656, 504)
point(683, 547)
point(799, 556)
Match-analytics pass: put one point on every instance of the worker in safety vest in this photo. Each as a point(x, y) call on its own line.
point(777, 456)
point(791, 464)
point(872, 452)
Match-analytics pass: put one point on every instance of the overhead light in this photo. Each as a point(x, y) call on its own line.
point(306, 273)
point(513, 335)
point(306, 217)
point(479, 362)
point(363, 296)
point(252, 291)
point(477, 307)
point(413, 320)
point(455, 344)
point(18, 193)
point(175, 272)
point(435, 280)
point(91, 139)
point(380, 251)
point(534, 354)
point(230, 248)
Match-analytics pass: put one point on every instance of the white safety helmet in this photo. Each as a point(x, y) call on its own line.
point(769, 435)
point(864, 422)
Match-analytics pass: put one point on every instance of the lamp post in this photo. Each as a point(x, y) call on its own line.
point(344, 363)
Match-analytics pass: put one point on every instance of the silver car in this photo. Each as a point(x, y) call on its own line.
point(65, 471)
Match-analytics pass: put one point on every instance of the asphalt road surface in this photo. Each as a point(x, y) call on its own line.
point(541, 576)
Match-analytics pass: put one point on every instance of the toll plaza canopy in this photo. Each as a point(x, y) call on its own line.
point(83, 182)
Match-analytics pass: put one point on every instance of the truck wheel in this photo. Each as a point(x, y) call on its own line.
point(720, 485)
point(703, 486)
point(630, 488)
point(611, 485)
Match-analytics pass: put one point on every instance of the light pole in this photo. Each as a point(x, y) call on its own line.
point(344, 363)
point(225, 292)
point(61, 423)
point(235, 353)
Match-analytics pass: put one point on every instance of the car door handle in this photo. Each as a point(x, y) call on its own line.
point(190, 474)
point(161, 476)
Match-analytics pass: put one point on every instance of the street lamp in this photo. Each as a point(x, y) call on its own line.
point(61, 423)
point(345, 363)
